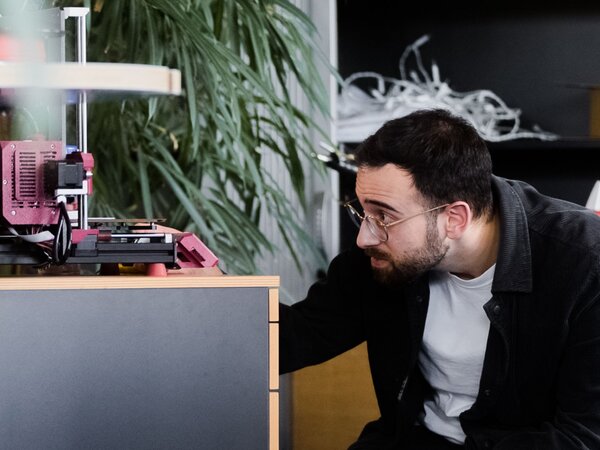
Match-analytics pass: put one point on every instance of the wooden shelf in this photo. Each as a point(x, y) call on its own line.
point(96, 79)
point(35, 283)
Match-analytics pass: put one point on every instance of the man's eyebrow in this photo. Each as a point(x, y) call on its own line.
point(381, 205)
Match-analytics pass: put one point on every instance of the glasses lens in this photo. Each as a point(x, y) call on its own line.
point(376, 229)
point(354, 215)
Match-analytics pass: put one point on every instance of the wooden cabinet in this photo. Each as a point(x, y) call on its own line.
point(139, 362)
point(332, 402)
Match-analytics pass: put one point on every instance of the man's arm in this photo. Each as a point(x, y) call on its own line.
point(329, 321)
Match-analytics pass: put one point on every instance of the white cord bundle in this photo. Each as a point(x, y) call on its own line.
point(361, 114)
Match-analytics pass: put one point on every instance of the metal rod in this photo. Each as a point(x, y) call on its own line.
point(82, 117)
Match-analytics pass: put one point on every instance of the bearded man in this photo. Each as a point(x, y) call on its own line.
point(478, 297)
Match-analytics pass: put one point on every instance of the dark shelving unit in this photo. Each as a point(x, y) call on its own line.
point(538, 58)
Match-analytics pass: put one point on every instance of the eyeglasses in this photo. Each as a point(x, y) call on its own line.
point(376, 226)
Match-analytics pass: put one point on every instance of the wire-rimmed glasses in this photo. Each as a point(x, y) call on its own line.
point(376, 226)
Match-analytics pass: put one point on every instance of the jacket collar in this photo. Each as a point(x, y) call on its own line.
point(513, 271)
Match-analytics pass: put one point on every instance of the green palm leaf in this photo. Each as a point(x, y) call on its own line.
point(197, 159)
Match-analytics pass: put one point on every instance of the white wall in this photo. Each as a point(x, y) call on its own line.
point(322, 219)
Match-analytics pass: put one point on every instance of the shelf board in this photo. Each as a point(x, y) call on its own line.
point(574, 142)
point(570, 142)
point(41, 282)
point(99, 80)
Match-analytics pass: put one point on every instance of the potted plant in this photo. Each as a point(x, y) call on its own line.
point(196, 159)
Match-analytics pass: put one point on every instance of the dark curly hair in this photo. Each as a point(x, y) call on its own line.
point(445, 155)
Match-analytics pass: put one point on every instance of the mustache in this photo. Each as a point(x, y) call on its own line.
point(376, 253)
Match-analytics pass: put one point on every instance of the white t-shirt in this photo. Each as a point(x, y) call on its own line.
point(454, 343)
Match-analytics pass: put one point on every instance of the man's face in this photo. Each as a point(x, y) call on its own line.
point(413, 247)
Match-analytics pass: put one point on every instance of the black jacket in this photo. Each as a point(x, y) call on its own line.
point(540, 385)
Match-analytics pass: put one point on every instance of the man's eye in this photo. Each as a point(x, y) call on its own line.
point(380, 215)
point(383, 217)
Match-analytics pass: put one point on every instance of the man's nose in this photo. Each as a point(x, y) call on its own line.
point(365, 238)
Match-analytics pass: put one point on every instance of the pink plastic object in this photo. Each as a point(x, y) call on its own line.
point(79, 235)
point(156, 270)
point(191, 252)
point(24, 201)
point(87, 159)
point(15, 49)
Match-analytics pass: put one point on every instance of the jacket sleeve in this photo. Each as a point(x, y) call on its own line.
point(329, 320)
point(576, 423)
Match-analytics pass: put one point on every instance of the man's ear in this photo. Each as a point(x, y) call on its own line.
point(458, 219)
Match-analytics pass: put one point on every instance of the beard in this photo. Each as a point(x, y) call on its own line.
point(409, 268)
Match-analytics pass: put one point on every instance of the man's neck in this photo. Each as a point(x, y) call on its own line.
point(479, 250)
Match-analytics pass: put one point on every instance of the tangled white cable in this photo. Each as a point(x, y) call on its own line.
point(361, 114)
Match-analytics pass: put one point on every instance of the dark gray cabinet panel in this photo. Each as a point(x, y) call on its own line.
point(170, 368)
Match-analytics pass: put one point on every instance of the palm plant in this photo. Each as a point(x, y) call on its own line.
point(196, 159)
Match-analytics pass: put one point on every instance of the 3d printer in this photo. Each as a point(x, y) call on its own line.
point(46, 180)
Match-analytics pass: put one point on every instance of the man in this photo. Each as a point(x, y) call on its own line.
point(478, 298)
